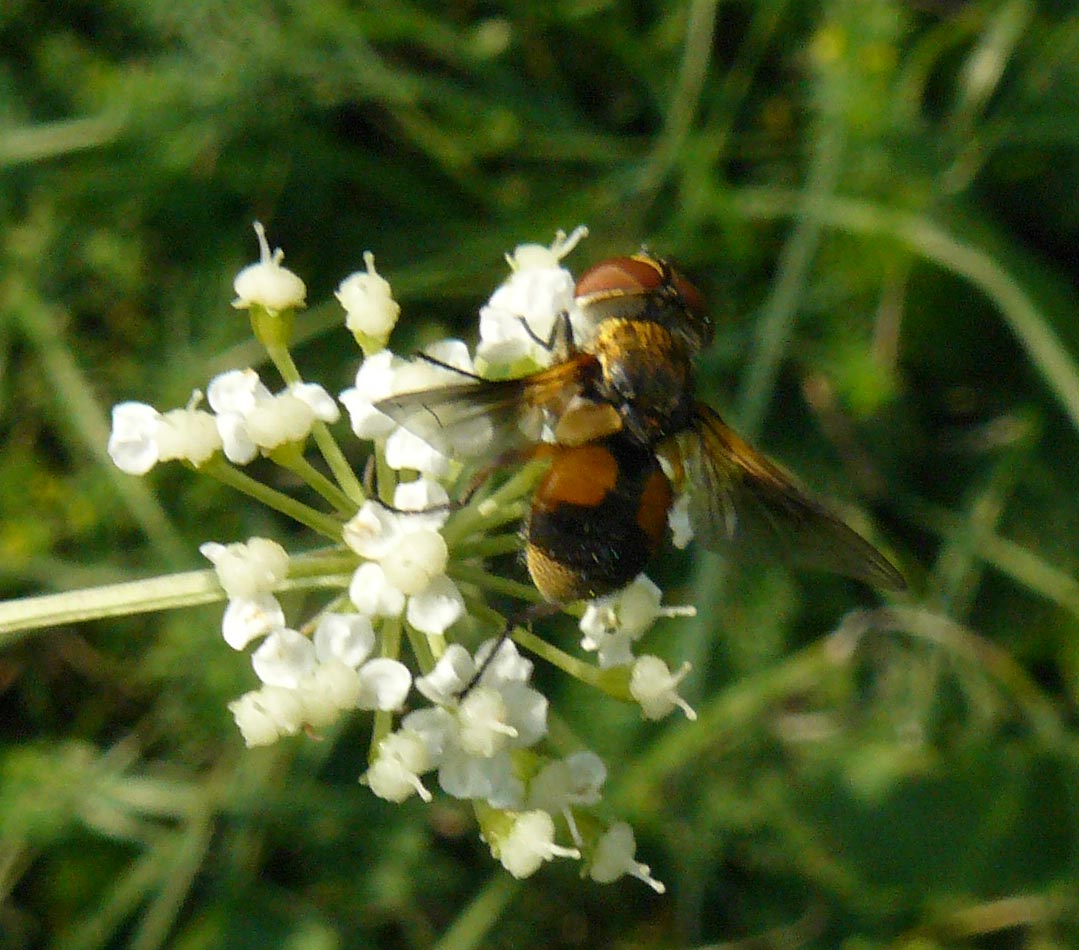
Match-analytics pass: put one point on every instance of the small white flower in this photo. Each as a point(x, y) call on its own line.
point(400, 760)
point(614, 857)
point(574, 780)
point(372, 595)
point(248, 569)
point(133, 439)
point(187, 434)
point(416, 560)
point(250, 418)
point(612, 624)
point(141, 437)
point(267, 284)
point(452, 673)
point(411, 560)
point(248, 618)
point(437, 607)
point(265, 715)
point(521, 314)
point(470, 739)
point(320, 402)
point(349, 638)
point(654, 686)
point(370, 310)
point(329, 688)
point(384, 684)
point(278, 420)
point(374, 381)
point(416, 447)
point(284, 658)
point(236, 391)
point(374, 530)
point(481, 722)
point(383, 375)
point(406, 449)
point(528, 843)
point(309, 682)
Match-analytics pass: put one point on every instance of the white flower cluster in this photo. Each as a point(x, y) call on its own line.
point(481, 734)
point(306, 681)
point(247, 419)
point(470, 735)
point(405, 559)
point(612, 624)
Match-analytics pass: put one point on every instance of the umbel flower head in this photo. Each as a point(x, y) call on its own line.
point(397, 566)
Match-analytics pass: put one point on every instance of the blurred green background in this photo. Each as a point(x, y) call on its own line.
point(881, 199)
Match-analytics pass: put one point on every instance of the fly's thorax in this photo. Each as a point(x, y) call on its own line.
point(646, 374)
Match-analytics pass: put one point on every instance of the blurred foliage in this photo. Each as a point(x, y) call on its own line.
point(881, 199)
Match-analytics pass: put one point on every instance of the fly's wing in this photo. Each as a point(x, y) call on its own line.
point(742, 504)
point(488, 417)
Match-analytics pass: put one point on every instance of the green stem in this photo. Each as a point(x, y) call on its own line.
point(506, 503)
point(325, 561)
point(580, 670)
point(324, 439)
point(474, 924)
point(295, 462)
point(17, 617)
point(382, 725)
point(324, 524)
point(166, 592)
point(471, 574)
point(421, 649)
point(489, 547)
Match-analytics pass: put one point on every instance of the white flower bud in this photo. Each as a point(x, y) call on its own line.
point(267, 284)
point(133, 439)
point(482, 719)
point(248, 618)
point(264, 715)
point(614, 855)
point(247, 569)
point(349, 638)
point(653, 685)
point(416, 560)
point(284, 658)
point(370, 310)
point(401, 758)
point(528, 844)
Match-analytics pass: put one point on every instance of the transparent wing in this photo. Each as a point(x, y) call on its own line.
point(485, 417)
point(742, 504)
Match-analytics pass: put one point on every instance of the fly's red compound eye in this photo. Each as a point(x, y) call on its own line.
point(621, 277)
point(691, 296)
